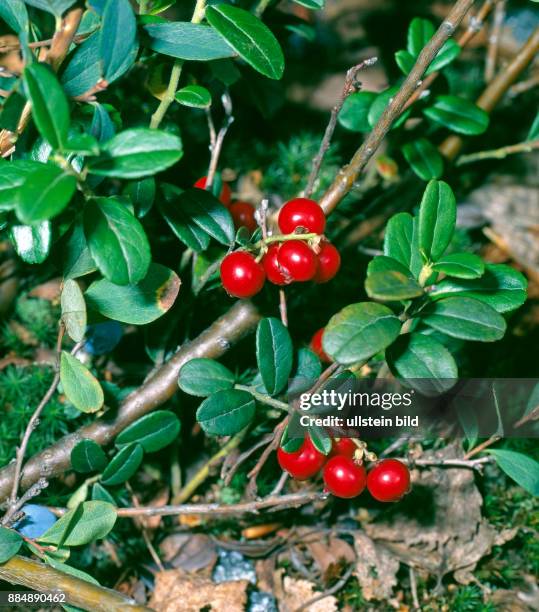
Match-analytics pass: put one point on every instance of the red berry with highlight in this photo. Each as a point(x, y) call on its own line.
point(243, 215)
point(242, 276)
point(388, 480)
point(343, 477)
point(316, 346)
point(302, 212)
point(274, 273)
point(329, 262)
point(297, 260)
point(226, 193)
point(343, 446)
point(303, 463)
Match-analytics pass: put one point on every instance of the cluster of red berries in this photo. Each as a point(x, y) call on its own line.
point(243, 213)
point(288, 260)
point(343, 476)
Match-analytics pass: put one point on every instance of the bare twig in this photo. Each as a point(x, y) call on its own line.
point(521, 147)
point(350, 86)
point(253, 474)
point(413, 587)
point(283, 309)
point(523, 86)
point(494, 40)
point(216, 141)
point(481, 447)
point(240, 460)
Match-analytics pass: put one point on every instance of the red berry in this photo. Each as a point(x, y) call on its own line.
point(274, 273)
point(343, 446)
point(226, 193)
point(243, 214)
point(388, 480)
point(302, 212)
point(329, 262)
point(303, 463)
point(297, 260)
point(343, 477)
point(316, 346)
point(242, 276)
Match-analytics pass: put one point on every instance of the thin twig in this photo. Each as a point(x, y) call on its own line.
point(481, 447)
point(350, 86)
point(413, 587)
point(521, 147)
point(494, 41)
point(523, 86)
point(216, 142)
point(283, 309)
point(242, 457)
point(331, 591)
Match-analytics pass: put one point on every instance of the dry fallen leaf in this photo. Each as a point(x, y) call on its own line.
point(376, 568)
point(189, 552)
point(293, 593)
point(329, 554)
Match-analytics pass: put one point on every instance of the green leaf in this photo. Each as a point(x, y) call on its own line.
point(501, 287)
point(136, 304)
point(12, 177)
point(188, 41)
point(194, 96)
point(465, 318)
point(533, 134)
point(450, 50)
point(117, 241)
point(76, 254)
point(50, 108)
point(195, 216)
point(90, 521)
point(380, 104)
point(321, 439)
point(308, 370)
point(355, 111)
point(420, 31)
point(142, 194)
point(32, 242)
point(10, 543)
point(99, 493)
point(382, 263)
point(398, 238)
point(45, 193)
point(274, 354)
point(123, 465)
point(359, 331)
point(203, 377)
point(136, 153)
point(424, 159)
point(225, 413)
point(392, 286)
point(118, 38)
point(83, 69)
point(522, 469)
point(83, 144)
point(405, 60)
point(425, 363)
point(14, 13)
point(73, 310)
point(87, 456)
point(72, 571)
point(153, 431)
point(312, 4)
point(56, 7)
point(461, 265)
point(437, 219)
point(458, 115)
point(79, 384)
point(247, 35)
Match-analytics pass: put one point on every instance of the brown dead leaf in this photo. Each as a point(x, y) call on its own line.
point(177, 591)
point(49, 291)
point(23, 334)
point(329, 554)
point(265, 574)
point(189, 552)
point(160, 499)
point(376, 568)
point(293, 593)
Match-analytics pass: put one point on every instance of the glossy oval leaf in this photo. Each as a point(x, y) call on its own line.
point(83, 68)
point(359, 331)
point(379, 105)
point(354, 113)
point(225, 413)
point(465, 318)
point(14, 13)
point(32, 242)
point(136, 304)
point(437, 219)
point(50, 109)
point(522, 469)
point(398, 238)
point(249, 37)
point(274, 354)
point(153, 431)
point(56, 7)
point(501, 287)
point(392, 285)
point(117, 241)
point(203, 377)
point(420, 31)
point(117, 38)
point(13, 176)
point(136, 153)
point(194, 96)
point(10, 543)
point(458, 115)
point(382, 263)
point(87, 456)
point(73, 310)
point(460, 265)
point(123, 465)
point(424, 159)
point(80, 385)
point(307, 371)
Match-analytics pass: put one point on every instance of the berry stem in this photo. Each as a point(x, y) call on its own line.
point(285, 238)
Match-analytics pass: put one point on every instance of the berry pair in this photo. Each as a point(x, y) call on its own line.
point(387, 481)
point(243, 213)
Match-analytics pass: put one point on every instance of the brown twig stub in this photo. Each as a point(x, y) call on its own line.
point(217, 140)
point(347, 176)
point(494, 40)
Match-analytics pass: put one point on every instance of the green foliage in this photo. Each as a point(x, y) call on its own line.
point(225, 413)
point(10, 544)
point(88, 456)
point(273, 354)
point(202, 377)
point(153, 431)
point(73, 310)
point(80, 386)
point(123, 465)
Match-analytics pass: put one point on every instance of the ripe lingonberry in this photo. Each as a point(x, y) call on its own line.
point(343, 477)
point(388, 480)
point(271, 266)
point(329, 262)
point(226, 193)
point(243, 215)
point(242, 276)
point(316, 346)
point(303, 463)
point(302, 212)
point(297, 260)
point(343, 446)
